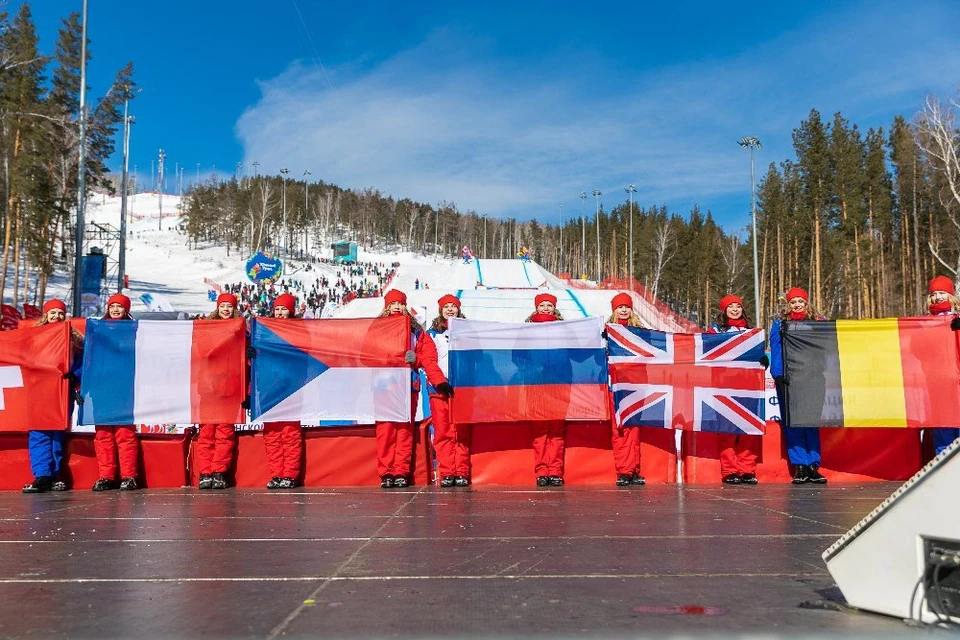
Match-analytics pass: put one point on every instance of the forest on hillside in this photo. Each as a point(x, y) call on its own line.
point(862, 220)
point(39, 149)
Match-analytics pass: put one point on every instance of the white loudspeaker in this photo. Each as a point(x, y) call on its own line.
point(903, 559)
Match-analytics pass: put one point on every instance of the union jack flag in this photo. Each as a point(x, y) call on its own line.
point(699, 382)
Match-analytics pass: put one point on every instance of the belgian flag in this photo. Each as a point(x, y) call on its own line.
point(898, 372)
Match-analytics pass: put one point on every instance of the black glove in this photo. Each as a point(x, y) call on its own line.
point(246, 403)
point(251, 353)
point(445, 389)
point(955, 324)
point(764, 360)
point(780, 380)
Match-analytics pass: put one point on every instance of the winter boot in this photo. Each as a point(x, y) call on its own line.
point(802, 474)
point(41, 484)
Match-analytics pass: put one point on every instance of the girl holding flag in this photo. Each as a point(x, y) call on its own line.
point(451, 442)
point(46, 447)
point(738, 451)
point(283, 440)
point(395, 439)
point(942, 301)
point(216, 442)
point(549, 436)
point(114, 444)
point(803, 443)
point(625, 439)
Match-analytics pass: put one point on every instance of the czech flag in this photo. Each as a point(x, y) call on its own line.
point(508, 372)
point(33, 393)
point(333, 369)
point(163, 371)
point(894, 372)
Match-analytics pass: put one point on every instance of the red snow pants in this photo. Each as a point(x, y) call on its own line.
point(451, 442)
point(549, 442)
point(738, 453)
point(214, 447)
point(626, 449)
point(284, 444)
point(395, 444)
point(116, 443)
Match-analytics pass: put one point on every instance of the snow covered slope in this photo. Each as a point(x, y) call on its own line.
point(159, 261)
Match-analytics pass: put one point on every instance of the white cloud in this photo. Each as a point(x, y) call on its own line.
point(442, 121)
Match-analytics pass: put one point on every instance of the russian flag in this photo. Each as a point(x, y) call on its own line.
point(332, 369)
point(507, 372)
point(163, 371)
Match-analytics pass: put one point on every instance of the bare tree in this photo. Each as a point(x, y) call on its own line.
point(414, 214)
point(732, 259)
point(940, 140)
point(259, 214)
point(663, 251)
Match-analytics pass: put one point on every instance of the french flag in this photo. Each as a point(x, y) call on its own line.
point(163, 371)
point(508, 372)
point(318, 371)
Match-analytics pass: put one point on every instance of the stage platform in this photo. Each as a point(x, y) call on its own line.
point(654, 560)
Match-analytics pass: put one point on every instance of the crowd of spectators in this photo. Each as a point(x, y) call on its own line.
point(321, 296)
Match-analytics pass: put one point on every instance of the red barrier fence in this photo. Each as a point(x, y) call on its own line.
point(500, 454)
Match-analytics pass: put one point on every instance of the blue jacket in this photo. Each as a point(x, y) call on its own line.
point(776, 350)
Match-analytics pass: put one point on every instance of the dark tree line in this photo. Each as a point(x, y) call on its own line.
point(39, 149)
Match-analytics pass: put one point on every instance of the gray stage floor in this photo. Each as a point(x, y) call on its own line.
point(653, 560)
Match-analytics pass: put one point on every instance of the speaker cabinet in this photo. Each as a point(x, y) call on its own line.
point(903, 559)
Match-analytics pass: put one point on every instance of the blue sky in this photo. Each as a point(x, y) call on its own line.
point(509, 108)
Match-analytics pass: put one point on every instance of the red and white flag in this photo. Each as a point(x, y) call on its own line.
point(33, 393)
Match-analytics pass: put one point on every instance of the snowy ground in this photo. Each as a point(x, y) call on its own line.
point(159, 262)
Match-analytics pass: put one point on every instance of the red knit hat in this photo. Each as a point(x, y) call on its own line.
point(227, 297)
point(54, 304)
point(942, 283)
point(394, 295)
point(797, 292)
point(448, 299)
point(545, 297)
point(287, 301)
point(621, 300)
point(120, 299)
point(726, 301)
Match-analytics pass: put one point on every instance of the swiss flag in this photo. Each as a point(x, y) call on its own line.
point(33, 393)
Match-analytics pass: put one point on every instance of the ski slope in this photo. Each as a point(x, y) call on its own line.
point(160, 262)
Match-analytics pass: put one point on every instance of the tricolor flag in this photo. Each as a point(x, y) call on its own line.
point(163, 371)
point(872, 373)
point(336, 369)
point(33, 393)
point(699, 382)
point(507, 372)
